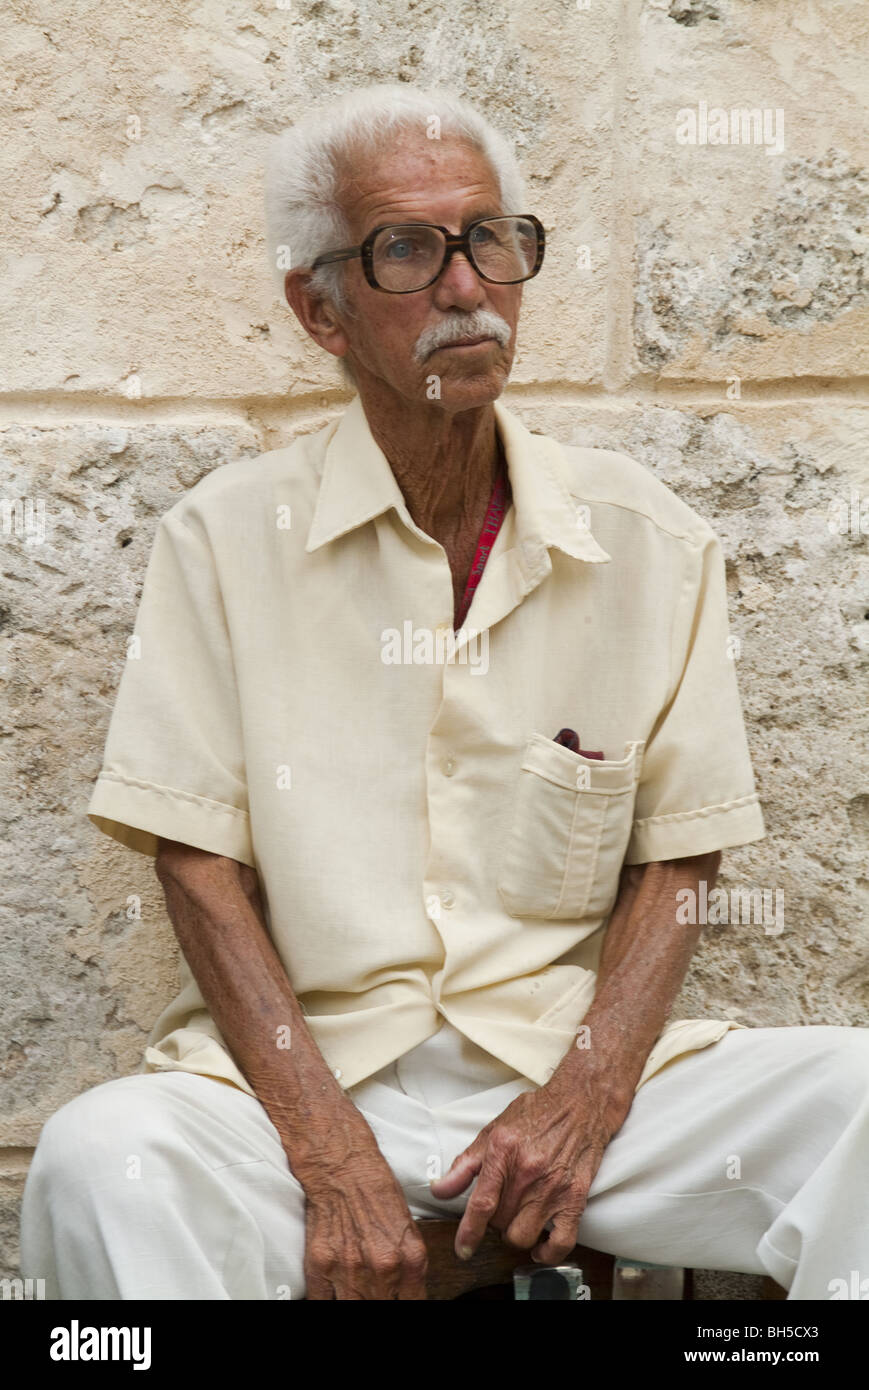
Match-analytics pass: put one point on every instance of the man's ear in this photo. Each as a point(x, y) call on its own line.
point(317, 315)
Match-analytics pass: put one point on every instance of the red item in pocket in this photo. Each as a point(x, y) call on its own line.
point(570, 739)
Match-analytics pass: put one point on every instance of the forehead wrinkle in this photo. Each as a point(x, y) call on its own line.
point(411, 207)
point(375, 195)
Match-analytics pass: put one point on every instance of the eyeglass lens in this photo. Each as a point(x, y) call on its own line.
point(409, 257)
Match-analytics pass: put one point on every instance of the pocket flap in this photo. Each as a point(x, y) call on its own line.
point(575, 772)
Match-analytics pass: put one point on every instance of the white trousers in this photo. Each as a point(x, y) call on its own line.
point(751, 1154)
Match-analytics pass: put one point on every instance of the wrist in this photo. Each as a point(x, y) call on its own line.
point(339, 1170)
point(336, 1140)
point(601, 1073)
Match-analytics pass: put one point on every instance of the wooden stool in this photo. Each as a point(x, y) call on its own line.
point(489, 1273)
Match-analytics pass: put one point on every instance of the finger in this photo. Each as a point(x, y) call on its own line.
point(318, 1287)
point(526, 1228)
point(512, 1202)
point(356, 1275)
point(560, 1240)
point(346, 1288)
point(381, 1278)
point(414, 1269)
point(482, 1205)
point(415, 1291)
point(458, 1176)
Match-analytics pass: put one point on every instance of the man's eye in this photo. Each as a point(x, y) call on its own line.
point(481, 235)
point(401, 250)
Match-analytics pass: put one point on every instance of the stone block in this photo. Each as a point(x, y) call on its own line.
point(744, 141)
point(89, 958)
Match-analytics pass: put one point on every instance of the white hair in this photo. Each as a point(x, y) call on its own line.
point(304, 219)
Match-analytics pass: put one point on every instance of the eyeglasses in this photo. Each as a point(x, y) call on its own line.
point(405, 257)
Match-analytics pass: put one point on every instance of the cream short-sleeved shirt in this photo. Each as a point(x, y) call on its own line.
point(425, 849)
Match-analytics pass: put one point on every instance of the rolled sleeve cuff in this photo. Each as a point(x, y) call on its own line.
point(137, 814)
point(696, 832)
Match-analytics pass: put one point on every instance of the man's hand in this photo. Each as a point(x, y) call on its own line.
point(534, 1165)
point(361, 1241)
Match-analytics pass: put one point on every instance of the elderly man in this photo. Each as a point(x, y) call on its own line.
point(432, 730)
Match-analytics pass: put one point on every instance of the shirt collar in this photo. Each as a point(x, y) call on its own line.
point(358, 484)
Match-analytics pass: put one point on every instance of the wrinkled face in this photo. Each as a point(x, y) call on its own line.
point(451, 184)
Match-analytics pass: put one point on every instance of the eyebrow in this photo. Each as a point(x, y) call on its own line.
point(422, 222)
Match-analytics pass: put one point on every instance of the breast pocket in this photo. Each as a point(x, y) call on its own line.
point(570, 829)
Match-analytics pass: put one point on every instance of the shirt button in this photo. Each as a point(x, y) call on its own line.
point(449, 766)
point(448, 898)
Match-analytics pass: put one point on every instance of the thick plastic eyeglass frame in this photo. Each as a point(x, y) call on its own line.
point(452, 242)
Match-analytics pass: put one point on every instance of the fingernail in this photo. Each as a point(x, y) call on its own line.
point(465, 1252)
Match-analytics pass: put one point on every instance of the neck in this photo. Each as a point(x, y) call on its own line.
point(445, 463)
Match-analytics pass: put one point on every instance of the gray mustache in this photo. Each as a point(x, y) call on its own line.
point(481, 323)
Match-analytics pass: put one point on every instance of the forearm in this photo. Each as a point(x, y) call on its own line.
point(217, 915)
point(644, 960)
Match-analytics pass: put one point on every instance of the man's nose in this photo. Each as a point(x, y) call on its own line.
point(459, 285)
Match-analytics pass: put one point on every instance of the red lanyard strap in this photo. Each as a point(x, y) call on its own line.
point(494, 516)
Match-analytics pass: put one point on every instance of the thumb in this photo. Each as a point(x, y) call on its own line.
point(460, 1173)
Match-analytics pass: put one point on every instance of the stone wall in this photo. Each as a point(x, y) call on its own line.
point(703, 307)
